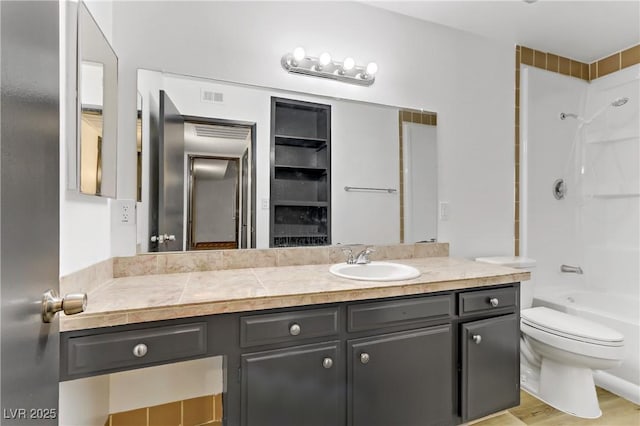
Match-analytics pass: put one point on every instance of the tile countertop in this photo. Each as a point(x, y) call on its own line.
point(159, 297)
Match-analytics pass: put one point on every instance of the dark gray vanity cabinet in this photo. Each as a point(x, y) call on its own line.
point(401, 378)
point(442, 358)
point(300, 173)
point(302, 385)
point(489, 357)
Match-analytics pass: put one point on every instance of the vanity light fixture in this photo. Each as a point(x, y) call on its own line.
point(298, 62)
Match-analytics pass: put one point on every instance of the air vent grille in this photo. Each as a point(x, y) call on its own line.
point(211, 96)
point(222, 132)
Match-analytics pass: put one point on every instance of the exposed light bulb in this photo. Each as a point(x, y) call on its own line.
point(372, 68)
point(325, 59)
point(298, 54)
point(348, 64)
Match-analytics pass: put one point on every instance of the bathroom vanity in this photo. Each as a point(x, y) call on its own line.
point(439, 349)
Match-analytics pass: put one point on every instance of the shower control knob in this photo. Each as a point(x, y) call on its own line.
point(494, 301)
point(476, 339)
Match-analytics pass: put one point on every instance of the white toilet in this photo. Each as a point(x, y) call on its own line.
point(558, 351)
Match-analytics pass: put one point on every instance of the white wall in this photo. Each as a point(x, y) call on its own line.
point(598, 225)
point(467, 80)
point(84, 402)
point(611, 208)
point(85, 230)
point(553, 228)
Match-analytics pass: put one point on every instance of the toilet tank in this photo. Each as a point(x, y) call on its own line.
point(517, 262)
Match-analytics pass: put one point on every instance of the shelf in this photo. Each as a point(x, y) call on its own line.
point(289, 203)
point(605, 141)
point(318, 235)
point(612, 196)
point(316, 171)
point(300, 141)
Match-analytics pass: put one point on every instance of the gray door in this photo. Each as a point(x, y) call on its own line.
point(244, 185)
point(299, 386)
point(401, 378)
point(29, 200)
point(171, 175)
point(490, 366)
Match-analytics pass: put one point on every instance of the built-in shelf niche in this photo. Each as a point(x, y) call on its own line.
point(300, 173)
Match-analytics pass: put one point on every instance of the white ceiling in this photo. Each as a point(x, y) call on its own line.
point(582, 30)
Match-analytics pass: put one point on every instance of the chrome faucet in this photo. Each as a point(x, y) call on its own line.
point(362, 258)
point(571, 269)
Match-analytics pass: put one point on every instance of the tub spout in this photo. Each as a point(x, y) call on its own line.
point(571, 269)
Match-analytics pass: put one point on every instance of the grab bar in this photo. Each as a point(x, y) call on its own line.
point(359, 188)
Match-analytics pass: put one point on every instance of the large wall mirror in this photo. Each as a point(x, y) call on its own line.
point(206, 167)
point(97, 109)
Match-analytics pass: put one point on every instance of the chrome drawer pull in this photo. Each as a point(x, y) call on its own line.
point(327, 363)
point(476, 339)
point(140, 350)
point(364, 358)
point(494, 301)
point(295, 329)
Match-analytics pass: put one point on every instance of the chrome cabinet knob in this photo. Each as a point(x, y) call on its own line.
point(494, 301)
point(71, 304)
point(364, 358)
point(295, 329)
point(476, 339)
point(327, 363)
point(140, 350)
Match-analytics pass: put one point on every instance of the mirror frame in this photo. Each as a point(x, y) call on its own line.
point(109, 115)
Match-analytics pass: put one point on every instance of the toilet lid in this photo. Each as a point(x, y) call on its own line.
point(571, 326)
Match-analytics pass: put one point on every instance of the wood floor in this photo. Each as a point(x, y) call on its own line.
point(616, 411)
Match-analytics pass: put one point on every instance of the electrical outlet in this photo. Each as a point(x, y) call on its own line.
point(127, 211)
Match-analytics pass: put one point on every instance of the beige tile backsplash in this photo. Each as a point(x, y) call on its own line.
point(90, 278)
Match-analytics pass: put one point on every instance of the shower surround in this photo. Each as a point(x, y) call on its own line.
point(596, 151)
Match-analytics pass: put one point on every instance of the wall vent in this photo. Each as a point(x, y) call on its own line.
point(211, 97)
point(222, 132)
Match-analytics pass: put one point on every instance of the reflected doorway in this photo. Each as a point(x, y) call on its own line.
point(219, 200)
point(214, 203)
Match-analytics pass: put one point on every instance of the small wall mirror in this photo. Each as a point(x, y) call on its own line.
point(97, 108)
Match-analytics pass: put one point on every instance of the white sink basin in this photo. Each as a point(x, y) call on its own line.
point(375, 271)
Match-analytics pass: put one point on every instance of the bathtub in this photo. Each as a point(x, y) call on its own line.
point(619, 312)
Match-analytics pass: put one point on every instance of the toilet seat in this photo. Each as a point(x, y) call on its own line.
point(571, 327)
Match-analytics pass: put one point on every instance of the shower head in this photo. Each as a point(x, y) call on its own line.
point(565, 115)
point(619, 102)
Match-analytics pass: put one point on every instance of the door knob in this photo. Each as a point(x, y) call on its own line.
point(71, 304)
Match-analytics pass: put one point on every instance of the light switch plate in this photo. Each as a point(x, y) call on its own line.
point(444, 210)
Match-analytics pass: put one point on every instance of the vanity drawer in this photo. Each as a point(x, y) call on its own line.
point(487, 300)
point(368, 316)
point(136, 348)
point(287, 326)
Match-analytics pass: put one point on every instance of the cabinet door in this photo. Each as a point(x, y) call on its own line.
point(490, 366)
point(300, 386)
point(401, 378)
